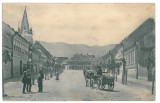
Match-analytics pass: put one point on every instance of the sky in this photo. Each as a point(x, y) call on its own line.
point(91, 24)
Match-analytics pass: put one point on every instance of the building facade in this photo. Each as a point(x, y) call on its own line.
point(22, 43)
point(81, 62)
point(137, 47)
point(23, 53)
point(20, 54)
point(43, 56)
point(7, 34)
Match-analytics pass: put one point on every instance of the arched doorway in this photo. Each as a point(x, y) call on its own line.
point(21, 69)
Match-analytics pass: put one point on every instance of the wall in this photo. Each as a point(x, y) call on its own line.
point(21, 50)
point(16, 65)
point(7, 33)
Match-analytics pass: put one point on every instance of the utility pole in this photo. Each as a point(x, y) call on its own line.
point(137, 60)
point(15, 33)
point(124, 73)
point(153, 80)
point(31, 62)
point(122, 63)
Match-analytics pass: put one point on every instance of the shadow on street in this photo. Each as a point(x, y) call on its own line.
point(109, 90)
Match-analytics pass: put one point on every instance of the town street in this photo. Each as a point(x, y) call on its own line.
point(71, 87)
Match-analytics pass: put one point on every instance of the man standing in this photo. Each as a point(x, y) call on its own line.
point(99, 72)
point(29, 85)
point(24, 81)
point(40, 81)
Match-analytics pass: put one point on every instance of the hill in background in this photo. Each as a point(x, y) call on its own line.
point(60, 49)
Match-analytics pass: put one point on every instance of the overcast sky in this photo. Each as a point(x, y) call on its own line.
point(92, 24)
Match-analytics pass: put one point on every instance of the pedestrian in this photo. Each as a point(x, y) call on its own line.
point(40, 81)
point(29, 85)
point(24, 81)
point(50, 70)
point(84, 70)
point(57, 76)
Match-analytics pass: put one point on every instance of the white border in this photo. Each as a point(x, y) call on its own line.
point(157, 19)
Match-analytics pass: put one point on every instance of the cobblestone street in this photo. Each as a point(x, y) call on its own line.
point(71, 86)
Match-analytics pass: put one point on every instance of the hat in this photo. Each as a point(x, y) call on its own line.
point(25, 72)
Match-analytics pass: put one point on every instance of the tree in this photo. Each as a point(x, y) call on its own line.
point(6, 56)
point(150, 63)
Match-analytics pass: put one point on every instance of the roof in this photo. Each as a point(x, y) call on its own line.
point(11, 31)
point(82, 57)
point(28, 37)
point(37, 45)
point(145, 28)
point(8, 30)
point(25, 24)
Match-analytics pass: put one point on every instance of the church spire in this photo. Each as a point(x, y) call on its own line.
point(25, 24)
point(25, 31)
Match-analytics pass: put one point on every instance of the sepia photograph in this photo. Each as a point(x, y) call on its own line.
point(78, 52)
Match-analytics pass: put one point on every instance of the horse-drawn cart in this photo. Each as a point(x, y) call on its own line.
point(100, 80)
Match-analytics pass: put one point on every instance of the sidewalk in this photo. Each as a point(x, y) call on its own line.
point(17, 79)
point(140, 83)
point(12, 79)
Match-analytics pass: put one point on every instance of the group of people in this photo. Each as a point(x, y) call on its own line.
point(26, 80)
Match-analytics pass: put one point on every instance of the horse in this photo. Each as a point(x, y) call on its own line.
point(88, 75)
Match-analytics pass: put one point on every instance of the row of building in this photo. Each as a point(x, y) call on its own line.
point(138, 49)
point(21, 53)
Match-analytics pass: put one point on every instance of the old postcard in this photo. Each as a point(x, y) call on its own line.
point(78, 51)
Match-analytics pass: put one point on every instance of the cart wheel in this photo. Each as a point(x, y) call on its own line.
point(110, 86)
point(100, 86)
point(103, 86)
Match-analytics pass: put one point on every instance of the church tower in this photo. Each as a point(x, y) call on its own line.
point(24, 30)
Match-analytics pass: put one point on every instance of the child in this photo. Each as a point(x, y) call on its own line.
point(40, 82)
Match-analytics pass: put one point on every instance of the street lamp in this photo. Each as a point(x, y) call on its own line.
point(137, 59)
point(122, 62)
point(31, 63)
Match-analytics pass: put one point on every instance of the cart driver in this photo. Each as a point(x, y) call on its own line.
point(99, 72)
